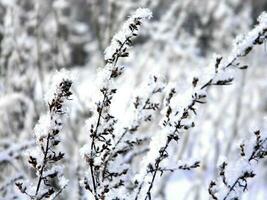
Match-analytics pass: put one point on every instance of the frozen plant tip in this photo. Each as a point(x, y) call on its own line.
point(43, 159)
point(123, 39)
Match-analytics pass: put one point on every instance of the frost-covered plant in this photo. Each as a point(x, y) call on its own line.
point(234, 176)
point(45, 157)
point(178, 118)
point(102, 148)
point(125, 150)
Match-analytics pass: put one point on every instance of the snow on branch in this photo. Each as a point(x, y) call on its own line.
point(127, 143)
point(178, 118)
point(245, 43)
point(101, 124)
point(44, 158)
point(114, 144)
point(233, 176)
point(123, 39)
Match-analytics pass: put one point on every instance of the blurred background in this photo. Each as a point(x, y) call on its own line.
point(40, 36)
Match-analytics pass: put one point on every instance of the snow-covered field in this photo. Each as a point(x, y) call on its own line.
point(135, 100)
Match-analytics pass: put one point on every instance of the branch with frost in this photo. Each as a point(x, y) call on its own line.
point(127, 144)
point(174, 125)
point(185, 166)
point(233, 177)
point(45, 157)
point(123, 39)
point(102, 124)
point(177, 119)
point(142, 110)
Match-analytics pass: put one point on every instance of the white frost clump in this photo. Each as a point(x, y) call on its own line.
point(142, 13)
point(243, 44)
point(60, 4)
point(43, 127)
point(262, 19)
point(85, 150)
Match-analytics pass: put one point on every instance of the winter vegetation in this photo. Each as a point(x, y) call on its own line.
point(133, 100)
